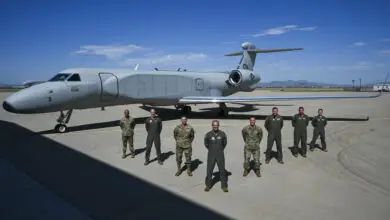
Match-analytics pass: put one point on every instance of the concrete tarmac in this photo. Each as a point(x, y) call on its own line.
point(84, 174)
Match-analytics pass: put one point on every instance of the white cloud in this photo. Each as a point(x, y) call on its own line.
point(283, 30)
point(170, 59)
point(111, 52)
point(359, 44)
point(385, 51)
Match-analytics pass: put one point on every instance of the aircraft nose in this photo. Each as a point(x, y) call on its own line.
point(8, 107)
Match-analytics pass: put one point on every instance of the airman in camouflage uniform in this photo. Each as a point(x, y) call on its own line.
point(127, 125)
point(184, 134)
point(153, 126)
point(252, 135)
point(300, 122)
point(215, 141)
point(319, 122)
point(274, 124)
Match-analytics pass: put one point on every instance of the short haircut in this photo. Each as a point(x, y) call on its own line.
point(301, 107)
point(274, 108)
point(215, 121)
point(320, 109)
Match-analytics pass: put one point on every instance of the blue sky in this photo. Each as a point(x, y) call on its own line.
point(342, 40)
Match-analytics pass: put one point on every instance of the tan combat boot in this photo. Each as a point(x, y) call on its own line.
point(257, 172)
point(178, 172)
point(189, 171)
point(246, 172)
point(123, 154)
point(225, 190)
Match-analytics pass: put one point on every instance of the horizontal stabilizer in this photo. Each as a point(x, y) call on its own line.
point(264, 51)
point(230, 99)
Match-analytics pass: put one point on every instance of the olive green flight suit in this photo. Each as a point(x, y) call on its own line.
point(184, 136)
point(153, 126)
point(300, 123)
point(252, 136)
point(274, 124)
point(127, 126)
point(215, 142)
point(319, 123)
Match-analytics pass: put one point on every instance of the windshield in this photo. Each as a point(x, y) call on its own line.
point(59, 77)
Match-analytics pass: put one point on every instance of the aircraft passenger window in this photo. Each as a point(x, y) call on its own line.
point(74, 77)
point(59, 77)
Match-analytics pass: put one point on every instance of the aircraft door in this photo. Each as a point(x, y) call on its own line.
point(199, 84)
point(109, 88)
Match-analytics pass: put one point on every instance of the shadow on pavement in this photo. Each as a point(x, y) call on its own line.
point(95, 188)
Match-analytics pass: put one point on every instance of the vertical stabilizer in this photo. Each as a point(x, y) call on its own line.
point(249, 53)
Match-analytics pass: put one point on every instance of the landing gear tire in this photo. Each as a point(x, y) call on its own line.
point(62, 120)
point(186, 109)
point(59, 128)
point(223, 110)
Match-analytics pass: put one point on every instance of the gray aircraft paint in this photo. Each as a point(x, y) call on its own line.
point(108, 87)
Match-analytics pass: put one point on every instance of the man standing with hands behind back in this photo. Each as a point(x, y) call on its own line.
point(319, 122)
point(127, 125)
point(274, 124)
point(153, 126)
point(300, 122)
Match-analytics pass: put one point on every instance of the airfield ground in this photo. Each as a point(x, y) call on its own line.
point(80, 174)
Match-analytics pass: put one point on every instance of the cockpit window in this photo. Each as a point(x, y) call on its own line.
point(59, 77)
point(74, 77)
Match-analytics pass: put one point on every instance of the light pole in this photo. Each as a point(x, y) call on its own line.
point(353, 83)
point(360, 80)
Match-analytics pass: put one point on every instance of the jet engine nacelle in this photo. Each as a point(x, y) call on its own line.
point(242, 78)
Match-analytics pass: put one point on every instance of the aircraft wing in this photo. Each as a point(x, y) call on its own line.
point(231, 99)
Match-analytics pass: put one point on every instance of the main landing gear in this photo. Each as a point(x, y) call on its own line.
point(185, 109)
point(62, 121)
point(223, 110)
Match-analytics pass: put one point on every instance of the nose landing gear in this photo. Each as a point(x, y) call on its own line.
point(62, 121)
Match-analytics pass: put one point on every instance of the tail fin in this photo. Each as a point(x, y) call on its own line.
point(249, 54)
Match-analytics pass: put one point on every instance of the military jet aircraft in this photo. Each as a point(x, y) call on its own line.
point(84, 88)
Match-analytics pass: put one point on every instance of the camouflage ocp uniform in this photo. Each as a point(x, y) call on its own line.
point(252, 136)
point(127, 126)
point(300, 123)
point(319, 122)
point(184, 135)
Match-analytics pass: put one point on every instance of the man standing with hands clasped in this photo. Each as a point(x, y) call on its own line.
point(127, 125)
point(252, 135)
point(184, 134)
point(300, 122)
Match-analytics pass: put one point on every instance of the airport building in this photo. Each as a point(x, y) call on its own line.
point(381, 87)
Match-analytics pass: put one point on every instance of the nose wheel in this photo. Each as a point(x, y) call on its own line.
point(62, 121)
point(60, 128)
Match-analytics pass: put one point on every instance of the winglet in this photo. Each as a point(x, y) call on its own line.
point(136, 67)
